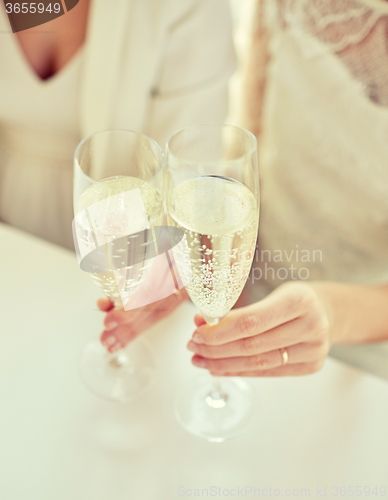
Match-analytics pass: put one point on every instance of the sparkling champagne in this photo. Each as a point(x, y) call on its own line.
point(120, 214)
point(219, 217)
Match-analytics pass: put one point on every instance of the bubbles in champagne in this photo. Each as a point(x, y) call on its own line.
point(221, 237)
point(111, 215)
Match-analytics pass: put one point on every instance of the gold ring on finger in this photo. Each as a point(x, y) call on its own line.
point(284, 355)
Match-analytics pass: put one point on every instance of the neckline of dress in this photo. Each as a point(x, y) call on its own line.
point(28, 69)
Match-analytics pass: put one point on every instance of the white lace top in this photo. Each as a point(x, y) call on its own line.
point(324, 145)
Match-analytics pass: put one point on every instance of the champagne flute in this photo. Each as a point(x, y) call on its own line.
point(118, 205)
point(212, 194)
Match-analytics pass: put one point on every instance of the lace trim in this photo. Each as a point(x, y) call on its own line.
point(353, 30)
point(337, 24)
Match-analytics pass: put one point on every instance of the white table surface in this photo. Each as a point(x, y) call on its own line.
point(59, 442)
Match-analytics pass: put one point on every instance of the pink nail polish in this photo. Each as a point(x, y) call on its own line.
point(110, 340)
point(198, 339)
point(111, 326)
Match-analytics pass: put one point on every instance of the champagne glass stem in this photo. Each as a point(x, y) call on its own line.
point(216, 397)
point(119, 358)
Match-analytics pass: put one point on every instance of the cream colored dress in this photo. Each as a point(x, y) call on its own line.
point(324, 149)
point(152, 66)
point(39, 131)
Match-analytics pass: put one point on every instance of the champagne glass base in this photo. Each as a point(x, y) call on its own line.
point(121, 376)
point(196, 412)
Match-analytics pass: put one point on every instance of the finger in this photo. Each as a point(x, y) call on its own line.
point(119, 316)
point(199, 320)
point(289, 334)
point(281, 371)
point(299, 353)
point(105, 304)
point(285, 335)
point(239, 364)
point(281, 306)
point(122, 327)
point(119, 338)
point(137, 322)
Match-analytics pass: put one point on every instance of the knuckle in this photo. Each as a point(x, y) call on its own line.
point(322, 325)
point(109, 320)
point(213, 339)
point(311, 324)
point(116, 315)
point(322, 349)
point(213, 364)
point(207, 352)
point(318, 325)
point(258, 362)
point(247, 323)
point(127, 331)
point(249, 345)
point(300, 296)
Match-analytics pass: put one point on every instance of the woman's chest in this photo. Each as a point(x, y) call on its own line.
point(27, 101)
point(49, 48)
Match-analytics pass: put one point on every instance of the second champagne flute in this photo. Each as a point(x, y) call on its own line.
point(212, 194)
point(118, 204)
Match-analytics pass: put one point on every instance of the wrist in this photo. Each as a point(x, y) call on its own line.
point(332, 297)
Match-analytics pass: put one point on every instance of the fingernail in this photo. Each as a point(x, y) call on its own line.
point(112, 343)
point(198, 339)
point(116, 347)
point(111, 325)
point(110, 340)
point(191, 346)
point(200, 362)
